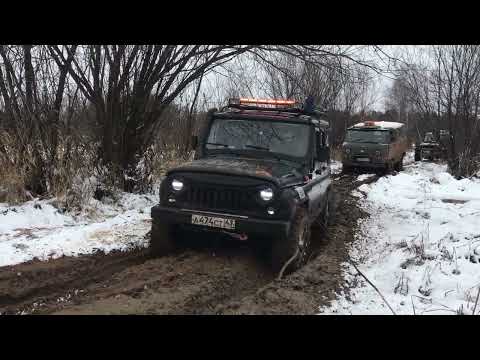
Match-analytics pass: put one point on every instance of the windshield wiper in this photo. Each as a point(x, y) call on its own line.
point(258, 147)
point(266, 149)
point(218, 144)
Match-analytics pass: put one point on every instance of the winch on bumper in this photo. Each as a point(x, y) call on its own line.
point(243, 224)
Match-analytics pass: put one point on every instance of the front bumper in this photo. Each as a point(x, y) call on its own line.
point(359, 164)
point(243, 224)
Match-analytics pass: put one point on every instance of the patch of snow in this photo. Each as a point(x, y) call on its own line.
point(382, 124)
point(336, 167)
point(31, 214)
point(364, 177)
point(420, 246)
point(37, 229)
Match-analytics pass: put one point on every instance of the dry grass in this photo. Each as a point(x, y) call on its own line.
point(336, 153)
point(72, 161)
point(165, 159)
point(75, 176)
point(13, 172)
point(12, 184)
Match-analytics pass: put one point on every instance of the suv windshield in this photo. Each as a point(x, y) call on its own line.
point(273, 136)
point(368, 136)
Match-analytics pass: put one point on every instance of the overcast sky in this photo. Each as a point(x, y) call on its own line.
point(215, 85)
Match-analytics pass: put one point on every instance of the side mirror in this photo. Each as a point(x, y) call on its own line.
point(194, 141)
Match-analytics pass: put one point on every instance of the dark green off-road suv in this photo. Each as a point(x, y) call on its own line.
point(260, 174)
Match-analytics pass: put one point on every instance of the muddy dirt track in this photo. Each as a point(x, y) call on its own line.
point(216, 278)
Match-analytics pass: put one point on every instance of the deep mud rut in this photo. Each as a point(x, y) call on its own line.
point(217, 278)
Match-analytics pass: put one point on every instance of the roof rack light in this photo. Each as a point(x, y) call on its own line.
point(272, 102)
point(369, 123)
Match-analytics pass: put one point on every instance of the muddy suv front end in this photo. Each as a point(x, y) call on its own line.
point(239, 205)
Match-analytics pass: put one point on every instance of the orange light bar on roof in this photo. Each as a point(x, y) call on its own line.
point(369, 123)
point(266, 101)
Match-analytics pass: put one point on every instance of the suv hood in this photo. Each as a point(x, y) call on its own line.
point(281, 173)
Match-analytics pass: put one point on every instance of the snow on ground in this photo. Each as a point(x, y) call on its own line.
point(364, 177)
point(37, 229)
point(420, 246)
point(336, 167)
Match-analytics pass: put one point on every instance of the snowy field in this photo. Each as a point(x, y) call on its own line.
point(420, 245)
point(37, 229)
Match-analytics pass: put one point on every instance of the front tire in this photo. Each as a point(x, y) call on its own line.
point(162, 239)
point(399, 165)
point(297, 242)
point(327, 215)
point(387, 170)
point(347, 170)
point(418, 155)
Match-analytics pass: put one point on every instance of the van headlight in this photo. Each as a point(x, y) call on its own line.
point(177, 185)
point(266, 194)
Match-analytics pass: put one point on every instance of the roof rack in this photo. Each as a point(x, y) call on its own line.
point(289, 106)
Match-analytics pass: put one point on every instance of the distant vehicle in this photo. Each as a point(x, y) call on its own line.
point(433, 147)
point(377, 145)
point(261, 171)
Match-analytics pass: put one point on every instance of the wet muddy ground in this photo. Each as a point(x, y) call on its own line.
point(216, 278)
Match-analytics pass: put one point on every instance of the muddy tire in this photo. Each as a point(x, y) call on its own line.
point(297, 242)
point(399, 165)
point(327, 216)
point(387, 169)
point(347, 169)
point(162, 239)
point(418, 155)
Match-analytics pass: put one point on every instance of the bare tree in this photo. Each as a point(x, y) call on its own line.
point(444, 88)
point(33, 88)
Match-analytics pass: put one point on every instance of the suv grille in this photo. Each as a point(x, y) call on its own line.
point(207, 197)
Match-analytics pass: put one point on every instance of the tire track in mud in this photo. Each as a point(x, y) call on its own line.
point(212, 279)
point(41, 281)
point(317, 283)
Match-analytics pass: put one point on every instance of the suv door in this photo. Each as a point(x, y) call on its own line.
point(316, 189)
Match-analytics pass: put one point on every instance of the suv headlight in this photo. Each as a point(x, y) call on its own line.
point(177, 185)
point(266, 194)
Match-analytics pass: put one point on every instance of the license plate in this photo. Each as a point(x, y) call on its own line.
point(211, 221)
point(363, 159)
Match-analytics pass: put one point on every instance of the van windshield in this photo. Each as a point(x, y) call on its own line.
point(368, 136)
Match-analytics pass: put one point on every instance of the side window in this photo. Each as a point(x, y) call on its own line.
point(322, 148)
point(321, 139)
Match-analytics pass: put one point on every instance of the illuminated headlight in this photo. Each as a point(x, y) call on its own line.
point(266, 194)
point(177, 185)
